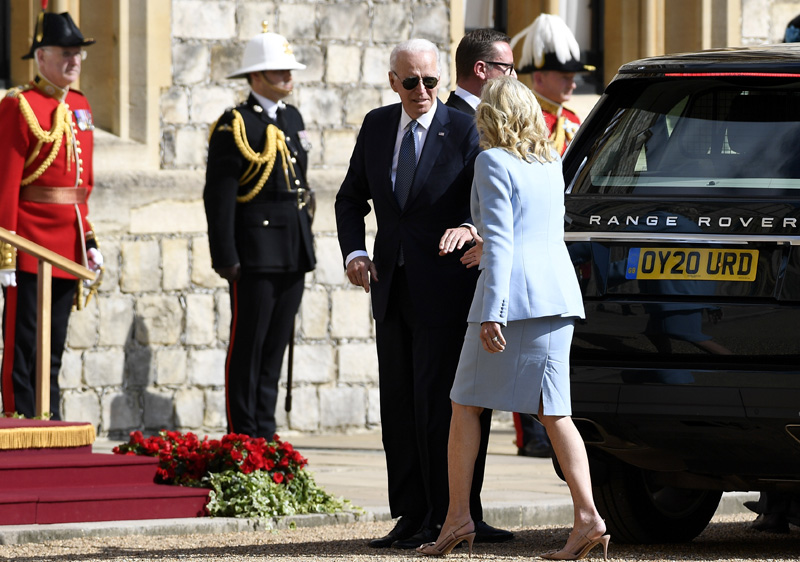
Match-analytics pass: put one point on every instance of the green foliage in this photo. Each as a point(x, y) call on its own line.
point(257, 495)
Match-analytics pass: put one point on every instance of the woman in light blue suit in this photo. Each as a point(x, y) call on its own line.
point(516, 351)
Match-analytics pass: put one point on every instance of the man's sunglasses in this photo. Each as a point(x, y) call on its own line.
point(506, 67)
point(411, 83)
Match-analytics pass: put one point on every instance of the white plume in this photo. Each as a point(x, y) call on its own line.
point(547, 34)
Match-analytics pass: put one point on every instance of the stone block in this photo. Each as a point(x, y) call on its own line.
point(222, 301)
point(71, 373)
point(358, 363)
point(390, 23)
point(168, 140)
point(345, 21)
point(111, 254)
point(159, 409)
point(81, 407)
point(312, 364)
point(140, 266)
point(175, 106)
point(755, 20)
point(314, 314)
point(320, 106)
point(305, 414)
point(330, 267)
point(171, 367)
point(139, 367)
point(190, 63)
point(351, 315)
point(432, 22)
point(339, 145)
point(389, 96)
point(214, 416)
point(202, 272)
point(116, 319)
point(373, 407)
point(297, 22)
point(104, 367)
point(168, 217)
point(250, 15)
point(175, 264)
point(197, 19)
point(376, 66)
point(343, 407)
point(317, 150)
point(208, 103)
point(225, 59)
point(199, 319)
point(345, 64)
point(83, 324)
point(313, 57)
point(189, 408)
point(121, 411)
point(358, 103)
point(191, 146)
point(158, 320)
point(207, 367)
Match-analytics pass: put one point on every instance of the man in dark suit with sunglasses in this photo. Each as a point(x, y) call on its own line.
point(482, 54)
point(413, 161)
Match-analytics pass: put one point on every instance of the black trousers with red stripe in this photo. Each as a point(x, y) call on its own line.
point(263, 308)
point(19, 337)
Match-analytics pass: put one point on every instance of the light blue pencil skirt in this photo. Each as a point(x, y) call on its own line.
point(534, 363)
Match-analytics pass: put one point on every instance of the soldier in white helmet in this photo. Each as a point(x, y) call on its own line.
point(259, 228)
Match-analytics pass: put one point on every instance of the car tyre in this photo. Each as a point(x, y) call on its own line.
point(638, 510)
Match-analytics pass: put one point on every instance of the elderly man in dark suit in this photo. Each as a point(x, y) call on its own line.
point(414, 161)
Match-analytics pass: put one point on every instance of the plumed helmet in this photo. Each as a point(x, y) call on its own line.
point(56, 30)
point(548, 44)
point(267, 51)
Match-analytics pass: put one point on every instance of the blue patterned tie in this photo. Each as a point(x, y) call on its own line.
point(406, 165)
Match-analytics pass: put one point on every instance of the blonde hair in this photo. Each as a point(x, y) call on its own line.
point(509, 117)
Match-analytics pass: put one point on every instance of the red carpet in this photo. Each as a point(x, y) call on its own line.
point(48, 474)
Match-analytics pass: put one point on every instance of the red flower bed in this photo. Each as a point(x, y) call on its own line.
point(184, 459)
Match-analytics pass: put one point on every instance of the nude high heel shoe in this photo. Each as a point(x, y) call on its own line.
point(448, 543)
point(584, 548)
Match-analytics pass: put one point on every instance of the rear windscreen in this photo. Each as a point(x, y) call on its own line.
point(694, 136)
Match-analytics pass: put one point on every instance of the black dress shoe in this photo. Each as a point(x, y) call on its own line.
point(771, 523)
point(403, 529)
point(540, 450)
point(421, 537)
point(752, 506)
point(486, 533)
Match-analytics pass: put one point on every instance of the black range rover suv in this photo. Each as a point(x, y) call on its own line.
point(683, 222)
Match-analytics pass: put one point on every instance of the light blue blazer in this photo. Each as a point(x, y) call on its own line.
point(526, 272)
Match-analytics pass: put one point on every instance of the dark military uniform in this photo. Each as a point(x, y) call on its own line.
point(256, 197)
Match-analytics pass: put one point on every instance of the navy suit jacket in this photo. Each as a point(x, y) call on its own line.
point(441, 287)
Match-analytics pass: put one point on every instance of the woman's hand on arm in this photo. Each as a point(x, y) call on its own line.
point(492, 337)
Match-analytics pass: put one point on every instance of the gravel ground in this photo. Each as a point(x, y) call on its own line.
point(726, 539)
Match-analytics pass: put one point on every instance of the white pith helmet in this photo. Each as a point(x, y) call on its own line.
point(267, 51)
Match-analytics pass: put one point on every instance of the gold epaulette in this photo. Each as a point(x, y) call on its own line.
point(17, 90)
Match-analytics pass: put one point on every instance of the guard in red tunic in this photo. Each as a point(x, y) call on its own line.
point(46, 180)
point(551, 52)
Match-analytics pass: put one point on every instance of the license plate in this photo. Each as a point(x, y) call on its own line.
point(710, 264)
